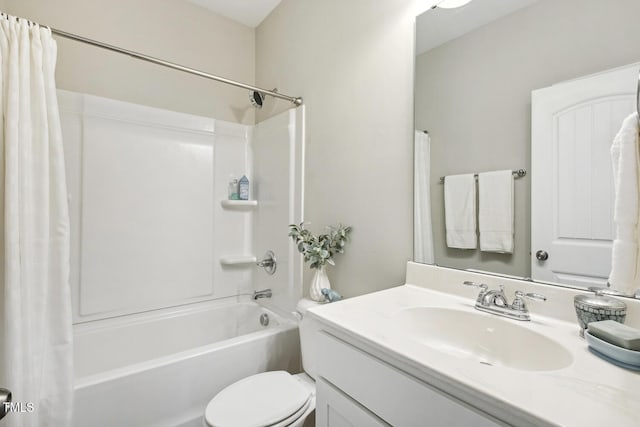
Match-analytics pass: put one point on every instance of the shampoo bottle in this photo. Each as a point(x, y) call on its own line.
point(243, 188)
point(233, 189)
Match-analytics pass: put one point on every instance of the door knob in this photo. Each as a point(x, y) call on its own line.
point(542, 255)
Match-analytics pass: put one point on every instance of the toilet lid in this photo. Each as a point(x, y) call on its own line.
point(258, 401)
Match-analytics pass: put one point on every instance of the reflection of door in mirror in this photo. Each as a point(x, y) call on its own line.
point(473, 94)
point(573, 124)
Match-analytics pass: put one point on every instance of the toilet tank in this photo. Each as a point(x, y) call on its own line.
point(309, 329)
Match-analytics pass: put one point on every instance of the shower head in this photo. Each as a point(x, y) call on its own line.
point(256, 99)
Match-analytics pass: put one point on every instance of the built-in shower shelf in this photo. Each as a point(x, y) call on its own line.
point(238, 260)
point(239, 204)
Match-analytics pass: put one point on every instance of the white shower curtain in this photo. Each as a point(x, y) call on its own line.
point(34, 255)
point(423, 231)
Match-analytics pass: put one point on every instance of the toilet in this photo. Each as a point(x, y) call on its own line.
point(271, 399)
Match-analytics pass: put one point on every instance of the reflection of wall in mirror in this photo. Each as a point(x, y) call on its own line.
point(473, 94)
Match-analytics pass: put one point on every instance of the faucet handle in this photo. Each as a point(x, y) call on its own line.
point(477, 285)
point(518, 303)
point(483, 289)
point(268, 262)
point(531, 296)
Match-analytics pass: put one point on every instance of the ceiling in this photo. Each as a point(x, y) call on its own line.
point(438, 26)
point(248, 12)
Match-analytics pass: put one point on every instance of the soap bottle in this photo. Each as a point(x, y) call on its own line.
point(243, 188)
point(233, 189)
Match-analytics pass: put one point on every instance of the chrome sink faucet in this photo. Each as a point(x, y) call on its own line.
point(495, 302)
point(495, 298)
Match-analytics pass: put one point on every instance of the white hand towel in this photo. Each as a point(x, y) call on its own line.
point(460, 211)
point(625, 262)
point(495, 211)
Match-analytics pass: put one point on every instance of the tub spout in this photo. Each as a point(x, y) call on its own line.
point(265, 293)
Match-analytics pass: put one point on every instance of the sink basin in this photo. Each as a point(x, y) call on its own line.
point(482, 338)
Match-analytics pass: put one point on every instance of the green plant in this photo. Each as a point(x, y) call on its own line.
point(318, 250)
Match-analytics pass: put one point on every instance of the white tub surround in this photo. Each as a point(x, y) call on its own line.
point(147, 225)
point(162, 368)
point(151, 223)
point(542, 375)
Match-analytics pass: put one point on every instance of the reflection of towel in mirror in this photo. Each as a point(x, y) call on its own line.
point(625, 265)
point(460, 211)
point(495, 211)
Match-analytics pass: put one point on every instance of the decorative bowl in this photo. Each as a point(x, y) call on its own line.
point(592, 308)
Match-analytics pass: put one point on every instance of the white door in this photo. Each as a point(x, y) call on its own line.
point(573, 125)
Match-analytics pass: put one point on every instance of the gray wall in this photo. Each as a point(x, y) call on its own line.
point(352, 61)
point(473, 95)
point(173, 30)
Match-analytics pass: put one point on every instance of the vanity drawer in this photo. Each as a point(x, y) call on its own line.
point(389, 393)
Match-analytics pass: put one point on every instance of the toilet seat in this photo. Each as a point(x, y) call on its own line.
point(288, 421)
point(269, 399)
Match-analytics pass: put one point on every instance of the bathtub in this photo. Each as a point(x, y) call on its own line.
point(161, 369)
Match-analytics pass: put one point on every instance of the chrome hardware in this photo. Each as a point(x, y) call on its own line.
point(264, 319)
point(610, 291)
point(542, 255)
point(265, 293)
point(518, 173)
point(495, 302)
point(293, 99)
point(495, 298)
point(479, 285)
point(483, 289)
point(5, 397)
point(519, 305)
point(268, 262)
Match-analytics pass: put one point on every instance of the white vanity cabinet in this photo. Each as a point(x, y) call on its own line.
point(336, 409)
point(355, 388)
point(421, 355)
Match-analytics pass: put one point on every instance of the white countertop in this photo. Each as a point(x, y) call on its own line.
point(588, 392)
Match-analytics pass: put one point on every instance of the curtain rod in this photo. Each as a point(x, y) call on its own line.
point(292, 99)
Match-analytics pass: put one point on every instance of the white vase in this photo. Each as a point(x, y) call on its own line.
point(320, 280)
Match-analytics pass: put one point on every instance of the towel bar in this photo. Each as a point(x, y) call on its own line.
point(519, 173)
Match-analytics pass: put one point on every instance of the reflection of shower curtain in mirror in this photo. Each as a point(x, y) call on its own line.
point(36, 362)
point(423, 235)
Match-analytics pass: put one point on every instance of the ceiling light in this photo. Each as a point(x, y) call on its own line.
point(451, 4)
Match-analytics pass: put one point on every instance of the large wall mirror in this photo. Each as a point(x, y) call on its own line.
point(497, 80)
